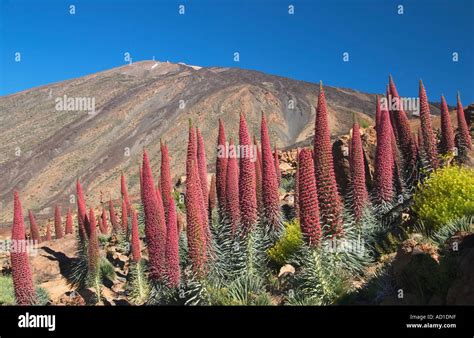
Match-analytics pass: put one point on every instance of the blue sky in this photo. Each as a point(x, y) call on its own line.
point(308, 45)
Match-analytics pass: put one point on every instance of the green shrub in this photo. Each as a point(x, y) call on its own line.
point(43, 296)
point(287, 183)
point(288, 244)
point(7, 293)
point(446, 195)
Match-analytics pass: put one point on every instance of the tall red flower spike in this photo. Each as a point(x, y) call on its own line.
point(308, 198)
point(113, 217)
point(384, 163)
point(48, 232)
point(165, 178)
point(270, 197)
point(93, 244)
point(360, 197)
point(402, 124)
point(104, 228)
point(232, 190)
point(155, 227)
point(69, 222)
point(194, 220)
point(429, 139)
point(124, 216)
point(124, 191)
point(191, 156)
point(172, 246)
point(296, 192)
point(258, 176)
point(330, 204)
point(277, 165)
point(81, 211)
point(247, 180)
point(397, 170)
point(34, 230)
point(136, 249)
point(221, 170)
point(463, 130)
point(58, 228)
point(21, 274)
point(447, 134)
point(391, 114)
point(202, 166)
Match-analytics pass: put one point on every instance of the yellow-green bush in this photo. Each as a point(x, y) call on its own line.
point(7, 293)
point(288, 244)
point(446, 195)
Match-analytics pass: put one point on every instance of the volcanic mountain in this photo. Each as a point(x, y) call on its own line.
point(46, 146)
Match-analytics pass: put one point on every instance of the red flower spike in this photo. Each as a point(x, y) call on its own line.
point(155, 227)
point(330, 204)
point(429, 139)
point(58, 228)
point(270, 197)
point(308, 198)
point(247, 180)
point(34, 230)
point(21, 273)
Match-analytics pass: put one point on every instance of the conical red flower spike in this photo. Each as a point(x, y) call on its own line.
point(58, 228)
point(402, 125)
point(136, 248)
point(113, 217)
point(296, 193)
point(69, 222)
point(221, 170)
point(247, 180)
point(103, 226)
point(212, 196)
point(258, 177)
point(270, 197)
point(165, 178)
point(360, 197)
point(232, 190)
point(155, 227)
point(447, 134)
point(384, 163)
point(48, 232)
point(330, 204)
point(429, 139)
point(191, 156)
point(34, 230)
point(308, 198)
point(124, 216)
point(172, 247)
point(464, 137)
point(21, 273)
point(93, 244)
point(194, 220)
point(202, 166)
point(124, 191)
